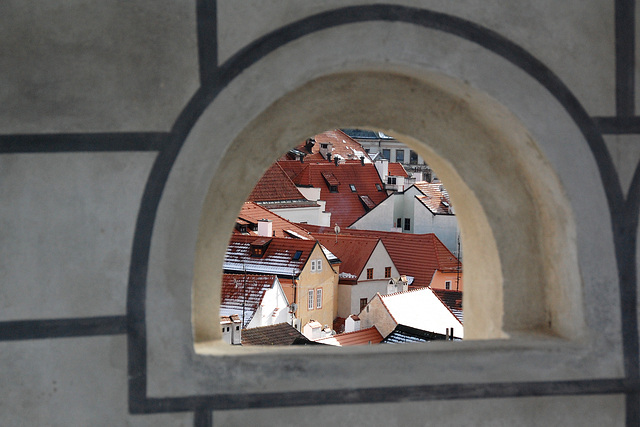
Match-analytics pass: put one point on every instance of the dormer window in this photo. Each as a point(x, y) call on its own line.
point(259, 247)
point(352, 187)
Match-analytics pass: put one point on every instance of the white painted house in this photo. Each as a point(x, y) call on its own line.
point(422, 208)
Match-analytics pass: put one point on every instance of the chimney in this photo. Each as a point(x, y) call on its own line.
point(325, 149)
point(335, 160)
point(329, 156)
point(362, 160)
point(309, 145)
point(265, 228)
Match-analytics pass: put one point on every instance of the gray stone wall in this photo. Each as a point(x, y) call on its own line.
point(124, 127)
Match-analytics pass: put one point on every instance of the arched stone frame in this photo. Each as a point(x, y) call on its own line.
point(521, 263)
point(172, 254)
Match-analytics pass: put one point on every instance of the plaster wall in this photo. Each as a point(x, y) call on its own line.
point(115, 123)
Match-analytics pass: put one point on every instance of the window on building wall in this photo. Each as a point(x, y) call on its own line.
point(313, 265)
point(400, 156)
point(407, 224)
point(310, 301)
point(369, 273)
point(363, 303)
point(318, 298)
point(413, 157)
point(399, 222)
point(447, 285)
point(387, 272)
point(319, 265)
point(386, 153)
point(391, 180)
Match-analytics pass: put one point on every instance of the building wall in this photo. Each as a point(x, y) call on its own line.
point(439, 279)
point(375, 314)
point(327, 280)
point(115, 119)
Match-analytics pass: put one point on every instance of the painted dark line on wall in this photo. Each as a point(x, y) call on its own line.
point(206, 12)
point(62, 328)
point(203, 418)
point(392, 395)
point(82, 142)
point(625, 57)
point(139, 403)
point(618, 125)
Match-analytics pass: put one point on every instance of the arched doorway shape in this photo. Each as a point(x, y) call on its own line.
point(521, 268)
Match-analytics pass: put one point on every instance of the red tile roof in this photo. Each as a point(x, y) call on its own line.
point(396, 169)
point(343, 146)
point(279, 257)
point(416, 255)
point(252, 212)
point(243, 294)
point(353, 251)
point(434, 197)
point(452, 299)
point(276, 186)
point(362, 337)
point(345, 205)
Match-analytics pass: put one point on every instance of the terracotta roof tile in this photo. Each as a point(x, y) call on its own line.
point(434, 197)
point(361, 337)
point(252, 212)
point(396, 169)
point(345, 205)
point(353, 251)
point(415, 255)
point(242, 294)
point(343, 146)
point(453, 300)
point(279, 257)
point(275, 185)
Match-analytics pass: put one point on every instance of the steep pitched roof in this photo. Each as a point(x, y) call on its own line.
point(343, 146)
point(415, 255)
point(351, 180)
point(434, 197)
point(421, 309)
point(276, 186)
point(242, 294)
point(353, 251)
point(396, 169)
point(280, 334)
point(252, 212)
point(282, 256)
point(361, 337)
point(453, 300)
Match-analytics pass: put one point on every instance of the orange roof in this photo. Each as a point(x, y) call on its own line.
point(348, 203)
point(396, 169)
point(353, 251)
point(282, 257)
point(275, 185)
point(434, 197)
point(343, 146)
point(252, 212)
point(361, 337)
point(416, 255)
point(243, 293)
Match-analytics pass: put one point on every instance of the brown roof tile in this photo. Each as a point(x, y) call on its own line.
point(280, 334)
point(361, 337)
point(252, 212)
point(434, 197)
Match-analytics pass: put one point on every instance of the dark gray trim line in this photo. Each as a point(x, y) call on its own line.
point(203, 418)
point(392, 395)
point(140, 403)
point(625, 20)
point(206, 12)
point(82, 142)
point(618, 125)
point(15, 330)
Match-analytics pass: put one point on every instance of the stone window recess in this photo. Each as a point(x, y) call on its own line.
point(369, 273)
point(386, 153)
point(400, 156)
point(387, 272)
point(363, 303)
point(407, 224)
point(447, 285)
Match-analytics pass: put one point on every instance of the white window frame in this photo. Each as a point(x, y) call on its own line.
point(447, 285)
point(319, 298)
point(310, 296)
point(313, 265)
point(319, 265)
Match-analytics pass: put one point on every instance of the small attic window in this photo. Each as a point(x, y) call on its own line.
point(352, 187)
point(379, 187)
point(259, 247)
point(297, 255)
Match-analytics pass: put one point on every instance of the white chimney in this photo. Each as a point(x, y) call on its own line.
point(265, 228)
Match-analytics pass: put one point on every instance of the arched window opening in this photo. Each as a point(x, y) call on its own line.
point(336, 245)
point(520, 261)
